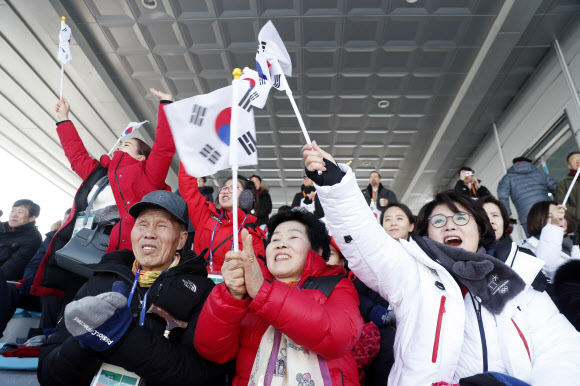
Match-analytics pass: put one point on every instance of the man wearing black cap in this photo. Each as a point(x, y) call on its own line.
point(108, 324)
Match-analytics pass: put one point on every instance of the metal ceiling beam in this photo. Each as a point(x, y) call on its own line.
point(502, 37)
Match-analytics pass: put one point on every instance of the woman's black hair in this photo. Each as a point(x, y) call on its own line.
point(246, 185)
point(570, 223)
point(315, 229)
point(502, 210)
point(404, 208)
point(450, 199)
point(538, 217)
point(142, 147)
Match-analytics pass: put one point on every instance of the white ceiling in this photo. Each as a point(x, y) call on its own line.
point(448, 68)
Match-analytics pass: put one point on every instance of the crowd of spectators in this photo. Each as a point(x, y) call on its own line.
point(442, 297)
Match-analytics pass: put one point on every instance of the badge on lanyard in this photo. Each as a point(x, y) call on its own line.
point(114, 375)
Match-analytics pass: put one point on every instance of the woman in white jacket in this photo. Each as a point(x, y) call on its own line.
point(459, 312)
point(547, 227)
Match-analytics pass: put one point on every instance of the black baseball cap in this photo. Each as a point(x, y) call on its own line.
point(163, 199)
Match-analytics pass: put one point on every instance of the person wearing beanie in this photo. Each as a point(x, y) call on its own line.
point(110, 321)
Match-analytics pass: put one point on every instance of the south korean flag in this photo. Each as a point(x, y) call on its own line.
point(64, 36)
point(257, 94)
point(272, 59)
point(201, 130)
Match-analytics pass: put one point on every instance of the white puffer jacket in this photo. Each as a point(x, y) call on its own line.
point(438, 338)
point(549, 248)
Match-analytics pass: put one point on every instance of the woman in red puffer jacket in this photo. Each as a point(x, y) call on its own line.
point(297, 296)
point(214, 226)
point(134, 170)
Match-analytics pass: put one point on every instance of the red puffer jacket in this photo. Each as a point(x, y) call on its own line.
point(329, 326)
point(129, 178)
point(205, 217)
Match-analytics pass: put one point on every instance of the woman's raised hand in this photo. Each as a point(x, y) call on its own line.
point(253, 273)
point(233, 274)
point(62, 108)
point(314, 157)
point(160, 95)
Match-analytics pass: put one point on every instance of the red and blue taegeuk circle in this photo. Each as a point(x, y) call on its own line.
point(222, 125)
point(128, 131)
point(252, 82)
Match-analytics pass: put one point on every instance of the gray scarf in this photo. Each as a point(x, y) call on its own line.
point(491, 280)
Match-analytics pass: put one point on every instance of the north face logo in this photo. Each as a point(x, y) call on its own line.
point(190, 285)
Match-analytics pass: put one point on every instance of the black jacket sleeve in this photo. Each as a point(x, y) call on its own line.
point(296, 200)
point(162, 361)
point(483, 191)
point(366, 304)
point(318, 211)
point(265, 205)
point(331, 176)
point(34, 263)
point(14, 266)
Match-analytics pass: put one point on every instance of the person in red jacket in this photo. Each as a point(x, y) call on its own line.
point(134, 170)
point(213, 226)
point(294, 318)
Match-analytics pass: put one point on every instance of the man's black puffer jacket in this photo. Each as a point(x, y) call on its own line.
point(17, 246)
point(181, 290)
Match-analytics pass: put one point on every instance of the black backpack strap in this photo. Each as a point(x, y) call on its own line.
point(324, 284)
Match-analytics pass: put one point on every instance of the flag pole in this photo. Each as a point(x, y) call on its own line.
point(293, 102)
point(61, 69)
point(114, 146)
point(234, 154)
point(61, 79)
point(571, 187)
point(294, 106)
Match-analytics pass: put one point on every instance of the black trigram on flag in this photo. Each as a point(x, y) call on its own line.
point(248, 143)
point(262, 81)
point(210, 153)
point(245, 102)
point(197, 115)
point(276, 82)
point(263, 45)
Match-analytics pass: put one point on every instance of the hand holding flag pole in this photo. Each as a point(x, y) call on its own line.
point(571, 187)
point(234, 153)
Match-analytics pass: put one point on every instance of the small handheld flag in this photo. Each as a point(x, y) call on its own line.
point(257, 94)
point(571, 187)
point(201, 129)
point(274, 64)
point(64, 54)
point(130, 129)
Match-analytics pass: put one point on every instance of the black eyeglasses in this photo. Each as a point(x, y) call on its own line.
point(459, 218)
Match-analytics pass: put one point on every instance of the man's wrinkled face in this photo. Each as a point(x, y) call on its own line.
point(20, 216)
point(374, 180)
point(155, 238)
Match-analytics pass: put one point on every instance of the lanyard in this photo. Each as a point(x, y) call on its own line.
point(144, 304)
point(213, 235)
